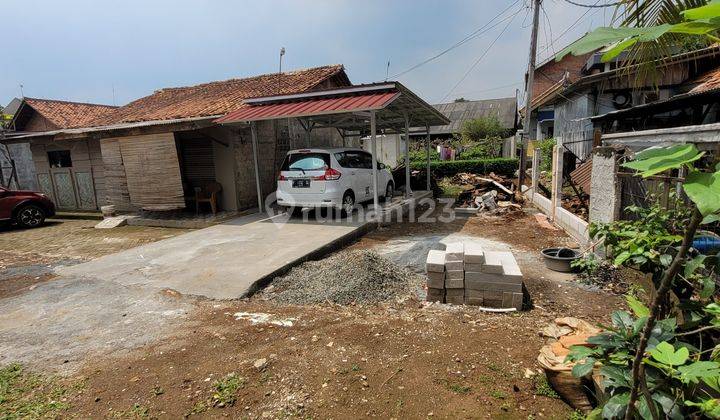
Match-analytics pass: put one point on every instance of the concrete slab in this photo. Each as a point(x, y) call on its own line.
point(225, 261)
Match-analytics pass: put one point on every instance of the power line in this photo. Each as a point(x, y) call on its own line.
point(596, 5)
point(483, 29)
point(547, 19)
point(481, 56)
point(490, 89)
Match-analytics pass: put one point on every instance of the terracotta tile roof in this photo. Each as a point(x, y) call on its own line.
point(708, 81)
point(219, 98)
point(65, 114)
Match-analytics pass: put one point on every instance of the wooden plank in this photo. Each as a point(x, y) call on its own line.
point(116, 190)
point(152, 171)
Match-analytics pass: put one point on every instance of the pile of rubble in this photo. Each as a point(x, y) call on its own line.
point(362, 277)
point(465, 274)
point(490, 193)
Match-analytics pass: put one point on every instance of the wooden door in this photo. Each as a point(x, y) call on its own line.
point(64, 188)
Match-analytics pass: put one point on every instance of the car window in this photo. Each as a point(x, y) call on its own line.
point(366, 160)
point(350, 159)
point(306, 162)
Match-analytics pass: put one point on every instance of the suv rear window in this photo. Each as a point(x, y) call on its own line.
point(306, 162)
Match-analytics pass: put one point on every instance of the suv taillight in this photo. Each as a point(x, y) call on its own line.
point(281, 177)
point(329, 175)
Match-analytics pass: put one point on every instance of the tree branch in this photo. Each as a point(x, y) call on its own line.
point(662, 292)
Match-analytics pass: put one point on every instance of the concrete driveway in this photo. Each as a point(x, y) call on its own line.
point(225, 261)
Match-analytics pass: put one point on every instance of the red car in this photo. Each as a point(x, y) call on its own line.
point(26, 208)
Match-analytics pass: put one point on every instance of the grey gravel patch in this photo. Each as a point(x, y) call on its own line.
point(360, 276)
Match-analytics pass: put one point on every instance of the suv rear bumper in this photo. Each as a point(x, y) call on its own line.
point(308, 200)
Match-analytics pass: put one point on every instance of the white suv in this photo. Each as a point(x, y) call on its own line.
point(336, 178)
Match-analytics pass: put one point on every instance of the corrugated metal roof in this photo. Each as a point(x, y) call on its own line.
point(459, 112)
point(311, 106)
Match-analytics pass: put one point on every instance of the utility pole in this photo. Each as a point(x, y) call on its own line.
point(528, 94)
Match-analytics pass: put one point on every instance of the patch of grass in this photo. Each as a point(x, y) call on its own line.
point(26, 395)
point(139, 411)
point(460, 389)
point(226, 390)
point(494, 367)
point(158, 391)
point(577, 415)
point(449, 189)
point(355, 368)
point(543, 388)
point(498, 395)
point(199, 407)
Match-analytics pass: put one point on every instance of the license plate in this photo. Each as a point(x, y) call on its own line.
point(301, 183)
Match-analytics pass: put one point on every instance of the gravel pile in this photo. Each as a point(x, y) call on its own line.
point(355, 276)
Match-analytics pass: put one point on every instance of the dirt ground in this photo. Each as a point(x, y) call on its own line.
point(403, 359)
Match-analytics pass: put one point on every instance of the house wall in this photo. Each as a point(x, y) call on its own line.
point(87, 171)
point(39, 123)
point(390, 149)
point(21, 154)
point(571, 125)
point(116, 189)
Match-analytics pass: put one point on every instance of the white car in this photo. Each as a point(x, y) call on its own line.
point(335, 178)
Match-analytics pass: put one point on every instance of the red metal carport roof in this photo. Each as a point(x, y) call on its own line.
point(312, 106)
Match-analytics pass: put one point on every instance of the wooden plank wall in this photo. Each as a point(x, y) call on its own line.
point(152, 171)
point(116, 189)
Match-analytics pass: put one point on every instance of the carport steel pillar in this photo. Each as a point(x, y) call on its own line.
point(427, 153)
point(253, 132)
point(408, 193)
point(373, 150)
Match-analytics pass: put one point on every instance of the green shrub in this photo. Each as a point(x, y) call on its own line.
point(488, 148)
point(440, 169)
point(482, 128)
point(545, 148)
point(420, 155)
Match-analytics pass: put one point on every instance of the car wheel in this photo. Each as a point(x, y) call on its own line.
point(30, 216)
point(389, 192)
point(348, 204)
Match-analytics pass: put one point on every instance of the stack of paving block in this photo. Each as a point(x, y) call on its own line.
point(465, 274)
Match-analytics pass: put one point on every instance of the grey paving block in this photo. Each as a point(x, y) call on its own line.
point(454, 283)
point(455, 275)
point(436, 280)
point(435, 261)
point(475, 301)
point(474, 253)
point(510, 265)
point(493, 263)
point(495, 278)
point(507, 299)
point(517, 301)
point(492, 286)
point(455, 296)
point(473, 267)
point(436, 295)
point(492, 299)
point(454, 265)
point(455, 251)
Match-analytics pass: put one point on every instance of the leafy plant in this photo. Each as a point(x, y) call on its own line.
point(672, 369)
point(474, 131)
point(588, 264)
point(545, 148)
point(700, 21)
point(225, 390)
point(643, 355)
point(490, 147)
point(648, 239)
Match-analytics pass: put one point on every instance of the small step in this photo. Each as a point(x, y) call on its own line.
point(493, 262)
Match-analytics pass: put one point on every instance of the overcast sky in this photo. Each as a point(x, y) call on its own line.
point(82, 50)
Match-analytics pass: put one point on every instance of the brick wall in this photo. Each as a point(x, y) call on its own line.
point(552, 72)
